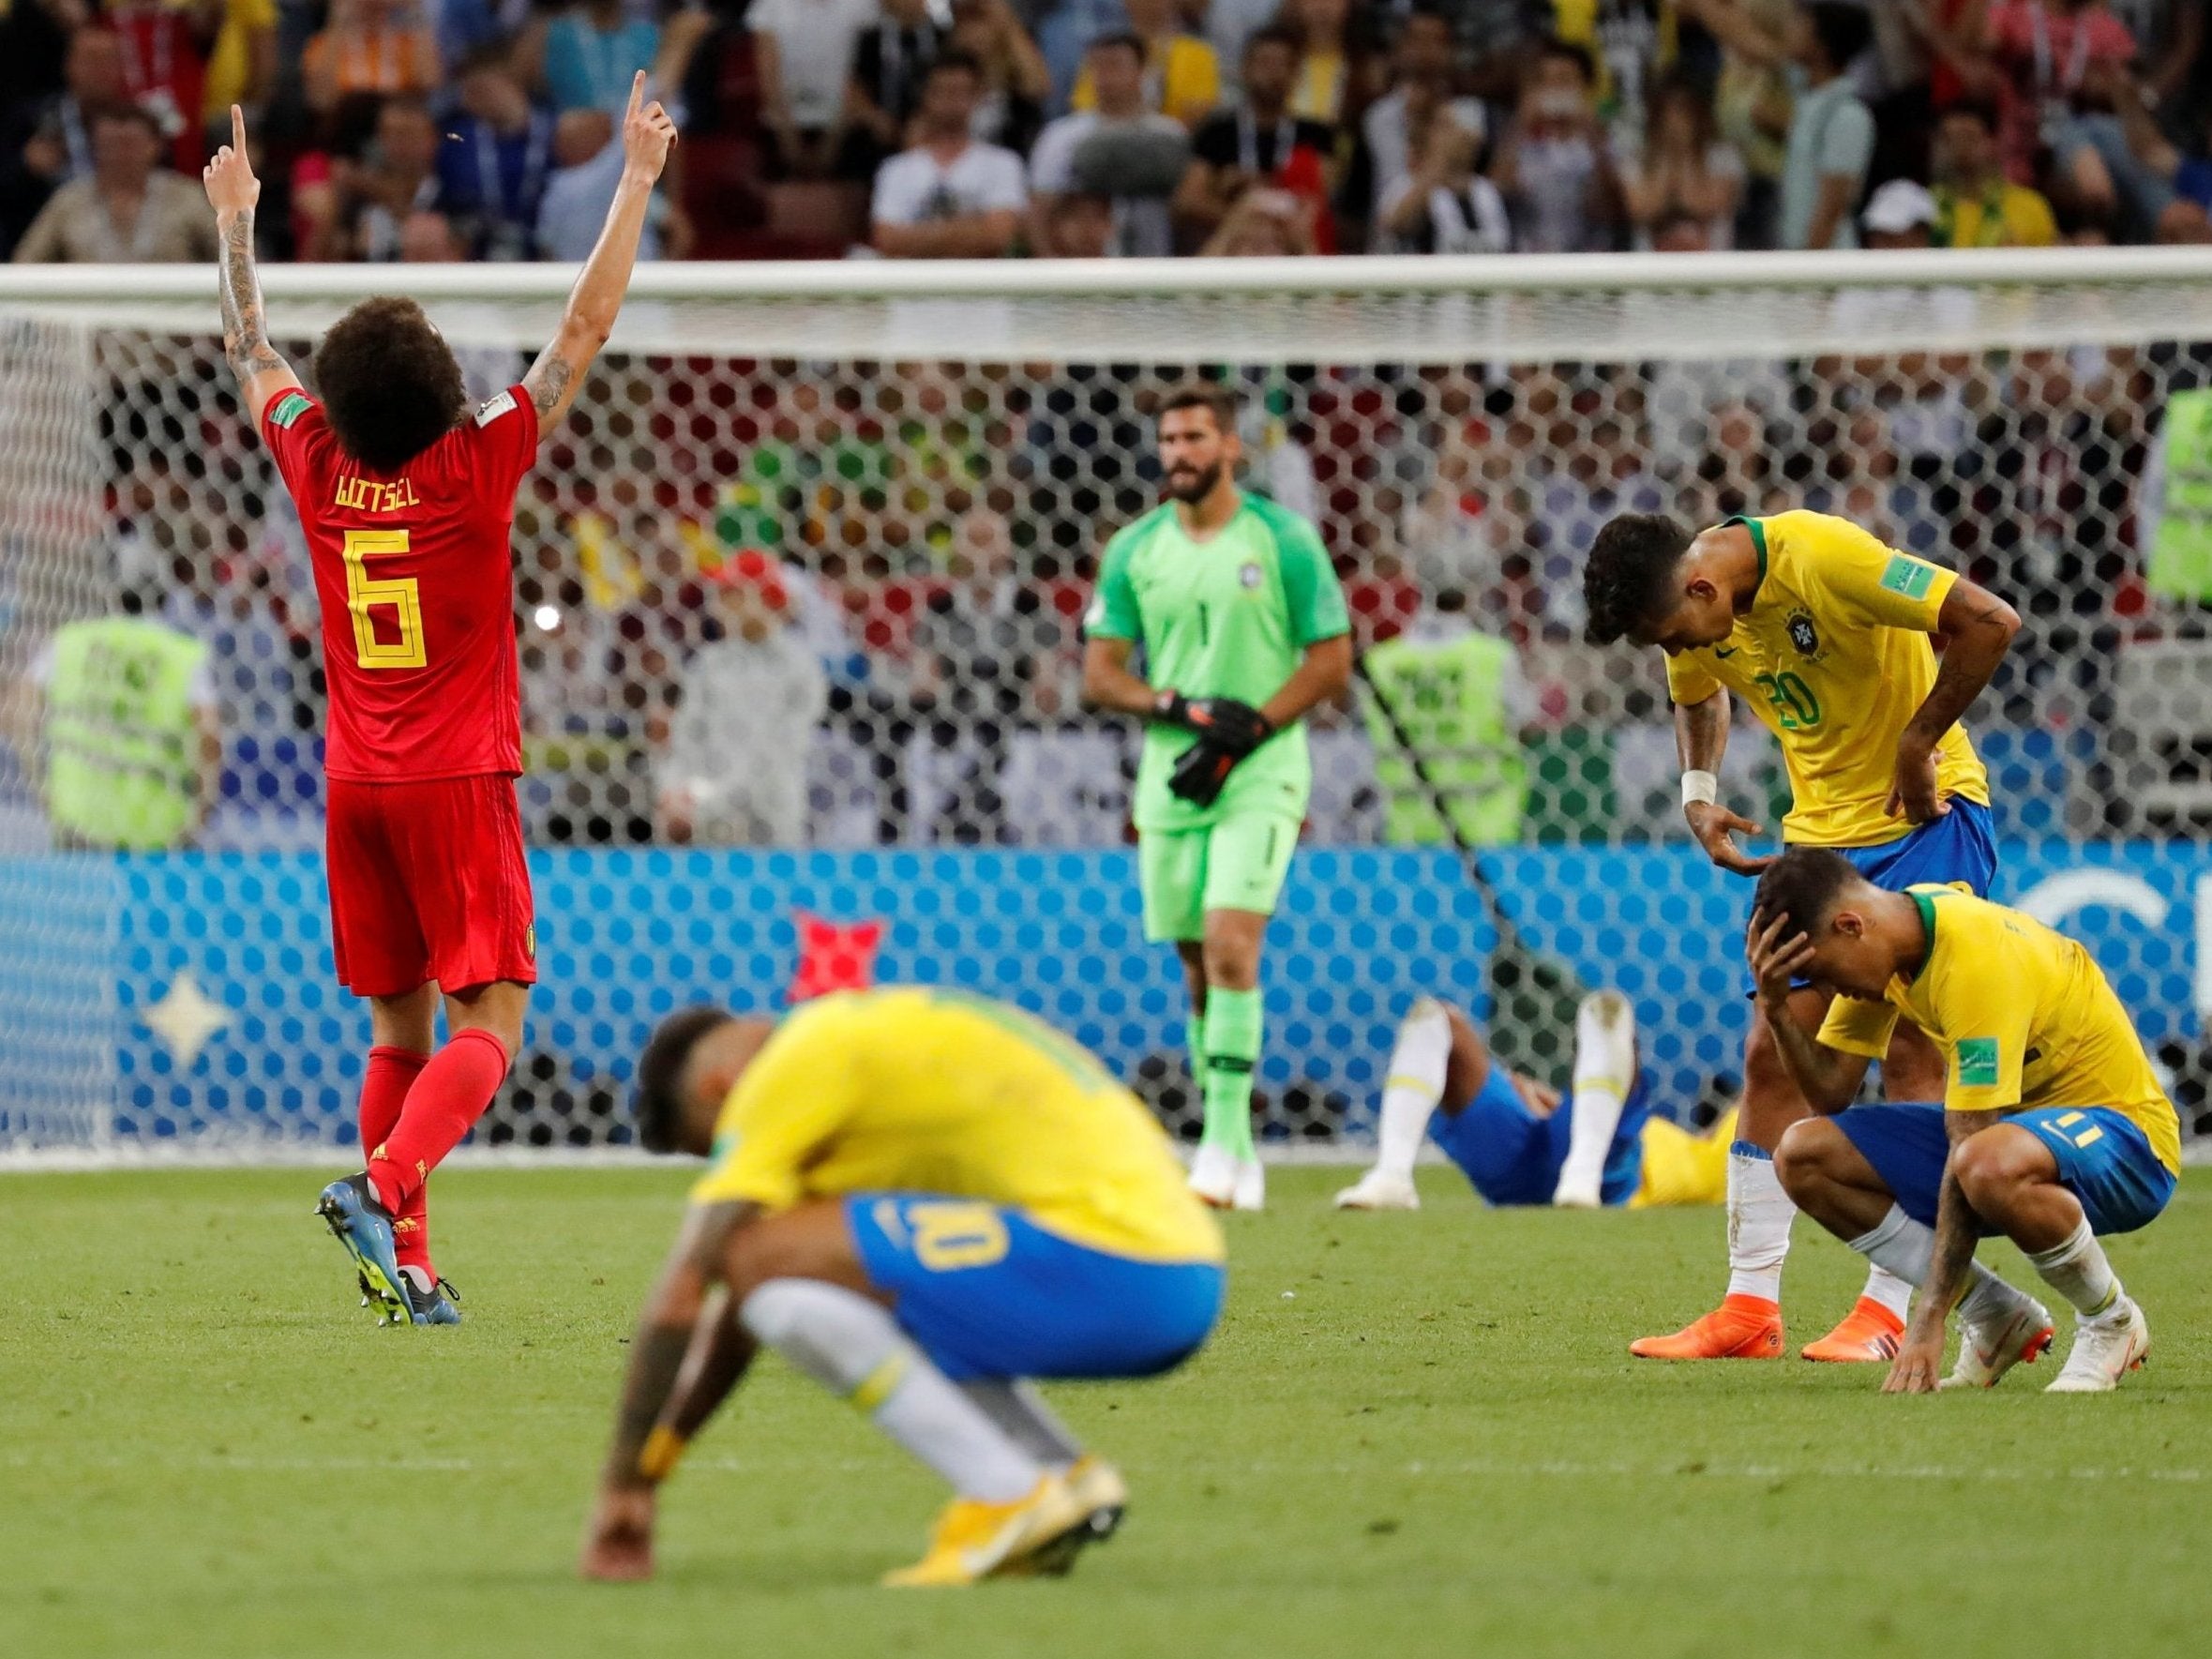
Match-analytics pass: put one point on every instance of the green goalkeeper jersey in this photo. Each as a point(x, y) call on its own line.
point(1230, 617)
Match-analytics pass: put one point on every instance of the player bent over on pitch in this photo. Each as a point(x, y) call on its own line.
point(2052, 1129)
point(1825, 632)
point(406, 497)
point(920, 1199)
point(1514, 1138)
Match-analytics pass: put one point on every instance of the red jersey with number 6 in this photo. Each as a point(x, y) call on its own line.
point(414, 574)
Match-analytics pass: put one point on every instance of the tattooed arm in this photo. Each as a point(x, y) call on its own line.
point(233, 191)
point(554, 379)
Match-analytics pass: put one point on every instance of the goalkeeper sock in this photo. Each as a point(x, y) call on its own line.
point(392, 1071)
point(1232, 1050)
point(1194, 1034)
point(853, 1348)
point(446, 1101)
point(1412, 1087)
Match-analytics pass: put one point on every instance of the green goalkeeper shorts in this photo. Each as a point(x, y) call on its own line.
point(1236, 863)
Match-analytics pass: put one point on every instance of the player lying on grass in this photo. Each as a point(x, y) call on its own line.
point(1514, 1138)
point(919, 1200)
point(2052, 1128)
point(406, 496)
point(1825, 631)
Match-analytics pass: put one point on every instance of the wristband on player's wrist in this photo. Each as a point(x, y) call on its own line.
point(1699, 789)
point(663, 1450)
point(1171, 705)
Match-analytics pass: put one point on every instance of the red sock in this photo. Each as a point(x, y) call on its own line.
point(392, 1072)
point(448, 1097)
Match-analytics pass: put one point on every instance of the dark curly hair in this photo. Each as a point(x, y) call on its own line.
point(1800, 887)
point(1626, 584)
point(659, 1104)
point(389, 383)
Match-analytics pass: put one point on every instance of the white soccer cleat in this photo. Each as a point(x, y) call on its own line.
point(1986, 1352)
point(1376, 1190)
point(1250, 1189)
point(1577, 1196)
point(1214, 1176)
point(2104, 1353)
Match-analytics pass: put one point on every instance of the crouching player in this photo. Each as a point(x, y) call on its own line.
point(2052, 1129)
point(919, 1200)
point(1511, 1136)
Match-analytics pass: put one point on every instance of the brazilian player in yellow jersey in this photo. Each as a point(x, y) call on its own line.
point(2052, 1129)
point(922, 1200)
point(1826, 631)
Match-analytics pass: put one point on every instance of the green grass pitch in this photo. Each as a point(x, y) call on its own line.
point(1413, 1435)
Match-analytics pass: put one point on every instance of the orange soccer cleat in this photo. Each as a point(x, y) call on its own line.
point(1741, 1328)
point(1869, 1332)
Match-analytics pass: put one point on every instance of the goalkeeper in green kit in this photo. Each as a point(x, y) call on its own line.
point(1244, 630)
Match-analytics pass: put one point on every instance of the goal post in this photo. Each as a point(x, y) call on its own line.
point(924, 460)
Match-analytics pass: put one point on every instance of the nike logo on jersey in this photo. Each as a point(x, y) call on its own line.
point(1725, 650)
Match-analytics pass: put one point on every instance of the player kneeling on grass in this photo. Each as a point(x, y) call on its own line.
point(919, 1200)
point(2052, 1128)
point(1515, 1139)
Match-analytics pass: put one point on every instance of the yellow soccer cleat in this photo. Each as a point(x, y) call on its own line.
point(974, 1541)
point(1103, 1493)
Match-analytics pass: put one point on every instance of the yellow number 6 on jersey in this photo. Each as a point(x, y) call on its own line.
point(363, 591)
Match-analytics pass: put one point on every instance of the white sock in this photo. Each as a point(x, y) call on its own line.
point(852, 1348)
point(1901, 1250)
point(1412, 1087)
point(1028, 1422)
point(1604, 1070)
point(2078, 1271)
point(1886, 1289)
point(1759, 1216)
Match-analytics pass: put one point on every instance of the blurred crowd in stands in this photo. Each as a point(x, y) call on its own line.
point(452, 130)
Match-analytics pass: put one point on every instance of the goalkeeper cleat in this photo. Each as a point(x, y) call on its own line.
point(1249, 1191)
point(1741, 1328)
point(974, 1541)
point(1213, 1175)
point(1375, 1190)
point(364, 1227)
point(1986, 1352)
point(1869, 1332)
point(432, 1304)
point(2103, 1353)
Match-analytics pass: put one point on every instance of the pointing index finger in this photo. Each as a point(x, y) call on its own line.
point(637, 94)
point(238, 129)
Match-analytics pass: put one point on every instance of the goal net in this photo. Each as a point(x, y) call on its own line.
point(798, 597)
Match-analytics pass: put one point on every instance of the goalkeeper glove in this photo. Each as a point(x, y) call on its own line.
point(1235, 727)
point(1204, 767)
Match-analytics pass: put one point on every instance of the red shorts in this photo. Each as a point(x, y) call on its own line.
point(428, 882)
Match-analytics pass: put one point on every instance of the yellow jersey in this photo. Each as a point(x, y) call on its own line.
point(2023, 1016)
point(928, 1091)
point(1834, 658)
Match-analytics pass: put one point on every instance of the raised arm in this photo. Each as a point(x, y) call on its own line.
point(554, 379)
point(1980, 627)
point(233, 192)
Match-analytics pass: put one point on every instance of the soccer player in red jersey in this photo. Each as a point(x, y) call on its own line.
point(407, 498)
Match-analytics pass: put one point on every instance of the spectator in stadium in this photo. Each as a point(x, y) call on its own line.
point(241, 66)
point(1339, 71)
point(428, 238)
point(1266, 223)
point(493, 164)
point(399, 180)
point(1257, 143)
point(53, 137)
point(1424, 75)
point(1445, 205)
point(587, 167)
point(1976, 205)
point(1120, 149)
point(380, 47)
point(1015, 82)
point(1182, 75)
point(885, 87)
point(1752, 98)
point(1079, 226)
point(949, 197)
point(1901, 214)
point(1685, 169)
point(2049, 57)
point(590, 54)
point(1555, 168)
point(803, 55)
point(734, 773)
point(1832, 135)
point(165, 46)
point(128, 210)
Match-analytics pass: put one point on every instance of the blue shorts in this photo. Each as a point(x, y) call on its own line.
point(2103, 1159)
point(1961, 846)
point(1513, 1157)
point(986, 1292)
